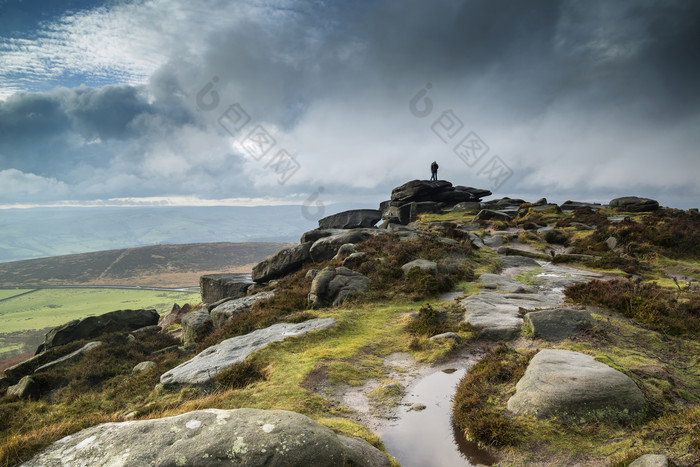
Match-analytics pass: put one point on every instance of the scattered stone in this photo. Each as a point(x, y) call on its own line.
point(174, 316)
point(445, 335)
point(203, 368)
point(417, 407)
point(493, 241)
point(71, 357)
point(143, 367)
point(195, 326)
point(582, 226)
point(311, 273)
point(351, 219)
point(475, 240)
point(25, 389)
point(611, 242)
point(333, 286)
point(541, 201)
point(488, 215)
point(634, 204)
point(508, 251)
point(422, 264)
point(573, 386)
point(225, 311)
point(650, 460)
point(94, 326)
point(619, 218)
point(575, 205)
point(281, 263)
point(214, 287)
point(467, 206)
point(211, 437)
point(147, 329)
point(557, 324)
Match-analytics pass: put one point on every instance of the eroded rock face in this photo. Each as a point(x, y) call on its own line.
point(634, 204)
point(352, 219)
point(226, 310)
point(332, 286)
point(281, 263)
point(203, 368)
point(195, 326)
point(94, 326)
point(327, 247)
point(212, 437)
point(573, 386)
point(214, 287)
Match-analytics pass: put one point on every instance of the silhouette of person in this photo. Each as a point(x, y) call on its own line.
point(433, 170)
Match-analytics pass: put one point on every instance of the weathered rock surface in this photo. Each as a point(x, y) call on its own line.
point(488, 214)
point(174, 316)
point(214, 287)
point(281, 263)
point(573, 386)
point(422, 264)
point(650, 460)
point(345, 250)
point(203, 368)
point(516, 261)
point(73, 356)
point(576, 205)
point(634, 204)
point(327, 247)
point(351, 219)
point(496, 281)
point(313, 235)
point(143, 367)
point(94, 326)
point(26, 388)
point(211, 437)
point(332, 286)
point(497, 316)
point(226, 310)
point(195, 326)
point(557, 324)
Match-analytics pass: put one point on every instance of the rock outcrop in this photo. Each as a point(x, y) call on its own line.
point(212, 437)
point(195, 326)
point(332, 286)
point(26, 388)
point(215, 287)
point(557, 324)
point(573, 386)
point(224, 312)
point(94, 326)
point(71, 357)
point(327, 247)
point(203, 368)
point(353, 219)
point(634, 204)
point(281, 263)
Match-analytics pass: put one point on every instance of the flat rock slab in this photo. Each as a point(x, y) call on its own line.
point(203, 368)
point(496, 281)
point(574, 387)
point(516, 261)
point(211, 437)
point(498, 317)
point(557, 324)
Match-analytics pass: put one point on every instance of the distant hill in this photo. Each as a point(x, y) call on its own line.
point(155, 266)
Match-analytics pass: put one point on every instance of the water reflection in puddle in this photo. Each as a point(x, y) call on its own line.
point(428, 438)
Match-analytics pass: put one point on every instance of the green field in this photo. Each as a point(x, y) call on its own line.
point(7, 293)
point(24, 318)
point(53, 307)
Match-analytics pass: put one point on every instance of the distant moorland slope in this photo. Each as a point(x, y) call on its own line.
point(154, 266)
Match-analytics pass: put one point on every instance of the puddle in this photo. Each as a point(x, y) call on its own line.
point(427, 438)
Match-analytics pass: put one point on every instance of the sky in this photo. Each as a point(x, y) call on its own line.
point(241, 102)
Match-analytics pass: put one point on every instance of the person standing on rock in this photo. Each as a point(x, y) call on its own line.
point(433, 170)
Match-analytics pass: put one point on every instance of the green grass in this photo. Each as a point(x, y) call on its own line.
point(53, 307)
point(8, 293)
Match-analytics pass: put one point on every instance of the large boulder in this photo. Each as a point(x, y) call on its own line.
point(313, 235)
point(333, 286)
point(94, 326)
point(438, 191)
point(174, 316)
point(352, 219)
point(203, 368)
point(423, 264)
point(634, 204)
point(71, 357)
point(575, 387)
point(326, 248)
point(224, 312)
point(25, 389)
point(196, 325)
point(281, 263)
point(215, 287)
point(212, 437)
point(650, 460)
point(557, 324)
